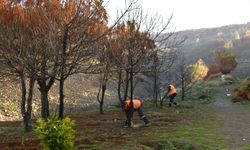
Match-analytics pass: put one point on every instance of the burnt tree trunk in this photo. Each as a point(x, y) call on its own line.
point(26, 108)
point(44, 102)
point(23, 97)
point(61, 99)
point(29, 103)
point(126, 86)
point(131, 108)
point(156, 89)
point(44, 88)
point(102, 98)
point(183, 88)
point(63, 76)
point(119, 86)
point(102, 90)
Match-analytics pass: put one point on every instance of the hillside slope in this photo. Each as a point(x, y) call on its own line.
point(203, 43)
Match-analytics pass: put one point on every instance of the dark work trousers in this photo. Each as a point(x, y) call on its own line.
point(171, 99)
point(141, 114)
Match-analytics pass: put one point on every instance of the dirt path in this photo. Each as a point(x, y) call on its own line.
point(235, 119)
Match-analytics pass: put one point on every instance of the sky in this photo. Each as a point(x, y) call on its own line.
point(192, 14)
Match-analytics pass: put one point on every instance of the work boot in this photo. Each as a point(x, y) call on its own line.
point(126, 124)
point(132, 124)
point(175, 103)
point(145, 119)
point(147, 124)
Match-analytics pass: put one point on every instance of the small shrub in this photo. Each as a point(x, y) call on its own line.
point(242, 92)
point(55, 134)
point(203, 96)
point(201, 92)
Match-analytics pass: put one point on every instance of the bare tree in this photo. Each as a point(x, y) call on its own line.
point(19, 50)
point(183, 75)
point(79, 30)
point(106, 71)
point(135, 48)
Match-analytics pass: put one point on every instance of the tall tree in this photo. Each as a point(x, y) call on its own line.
point(81, 28)
point(83, 32)
point(135, 48)
point(74, 30)
point(19, 49)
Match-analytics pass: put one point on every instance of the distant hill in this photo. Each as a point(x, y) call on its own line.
point(203, 43)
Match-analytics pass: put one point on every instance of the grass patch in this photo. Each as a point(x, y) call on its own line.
point(189, 126)
point(246, 147)
point(198, 135)
point(193, 135)
point(176, 128)
point(3, 130)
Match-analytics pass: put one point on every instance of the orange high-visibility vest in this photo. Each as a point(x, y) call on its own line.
point(172, 90)
point(136, 104)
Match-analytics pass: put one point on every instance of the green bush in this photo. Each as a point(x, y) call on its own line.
point(56, 134)
point(242, 92)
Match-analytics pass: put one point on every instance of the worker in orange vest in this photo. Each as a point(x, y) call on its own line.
point(170, 93)
point(137, 104)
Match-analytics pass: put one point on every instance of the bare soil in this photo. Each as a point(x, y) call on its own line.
point(93, 129)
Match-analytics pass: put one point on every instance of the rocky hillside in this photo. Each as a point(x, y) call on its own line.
point(80, 94)
point(203, 43)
